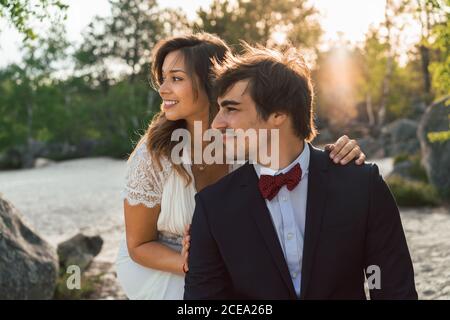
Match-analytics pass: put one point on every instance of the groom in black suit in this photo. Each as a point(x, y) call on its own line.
point(304, 228)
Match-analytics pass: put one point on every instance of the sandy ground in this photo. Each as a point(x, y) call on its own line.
point(83, 195)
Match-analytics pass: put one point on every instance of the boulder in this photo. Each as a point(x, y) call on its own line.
point(325, 136)
point(42, 162)
point(399, 137)
point(436, 155)
point(403, 169)
point(28, 264)
point(371, 147)
point(79, 250)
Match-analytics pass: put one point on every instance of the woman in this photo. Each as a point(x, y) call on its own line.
point(159, 194)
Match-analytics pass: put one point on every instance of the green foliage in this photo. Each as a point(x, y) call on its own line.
point(416, 171)
point(125, 38)
point(92, 107)
point(406, 87)
point(107, 99)
point(19, 12)
point(258, 21)
point(88, 287)
point(439, 137)
point(400, 158)
point(371, 59)
point(440, 69)
point(410, 193)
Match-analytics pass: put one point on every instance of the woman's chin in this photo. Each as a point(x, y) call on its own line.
point(171, 116)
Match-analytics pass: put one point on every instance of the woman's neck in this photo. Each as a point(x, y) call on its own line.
point(196, 134)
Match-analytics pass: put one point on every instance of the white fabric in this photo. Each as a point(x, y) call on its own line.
point(147, 184)
point(288, 212)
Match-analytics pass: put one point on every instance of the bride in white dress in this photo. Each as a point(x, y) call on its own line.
point(159, 195)
point(149, 186)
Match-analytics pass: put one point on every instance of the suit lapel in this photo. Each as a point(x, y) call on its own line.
point(256, 205)
point(315, 208)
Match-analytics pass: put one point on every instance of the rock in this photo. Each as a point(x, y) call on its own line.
point(417, 110)
point(79, 250)
point(403, 169)
point(399, 137)
point(436, 155)
point(42, 162)
point(28, 264)
point(10, 159)
point(26, 156)
point(324, 136)
point(371, 147)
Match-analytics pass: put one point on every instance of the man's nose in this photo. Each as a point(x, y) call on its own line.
point(219, 121)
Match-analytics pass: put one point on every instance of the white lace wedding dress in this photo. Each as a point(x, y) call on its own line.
point(147, 184)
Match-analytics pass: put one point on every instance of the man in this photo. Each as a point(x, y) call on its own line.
point(307, 228)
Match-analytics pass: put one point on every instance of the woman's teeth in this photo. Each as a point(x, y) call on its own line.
point(170, 102)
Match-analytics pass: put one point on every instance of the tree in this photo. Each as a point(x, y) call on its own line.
point(28, 106)
point(19, 13)
point(430, 14)
point(124, 39)
point(393, 25)
point(440, 68)
point(262, 21)
point(372, 60)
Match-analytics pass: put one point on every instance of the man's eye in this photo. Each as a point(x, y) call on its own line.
point(230, 109)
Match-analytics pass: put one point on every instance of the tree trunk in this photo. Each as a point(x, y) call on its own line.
point(425, 58)
point(369, 109)
point(28, 156)
point(389, 69)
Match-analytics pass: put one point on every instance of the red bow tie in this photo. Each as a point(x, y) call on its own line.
point(270, 185)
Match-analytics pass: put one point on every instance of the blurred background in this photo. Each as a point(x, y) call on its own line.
point(75, 97)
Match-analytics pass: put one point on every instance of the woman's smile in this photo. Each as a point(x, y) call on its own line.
point(169, 104)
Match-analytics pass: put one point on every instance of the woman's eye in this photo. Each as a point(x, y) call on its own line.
point(176, 79)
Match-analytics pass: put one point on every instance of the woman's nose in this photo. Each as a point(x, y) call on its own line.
point(164, 88)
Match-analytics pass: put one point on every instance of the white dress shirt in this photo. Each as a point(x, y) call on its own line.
point(288, 212)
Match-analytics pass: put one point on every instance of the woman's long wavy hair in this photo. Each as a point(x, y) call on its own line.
point(200, 51)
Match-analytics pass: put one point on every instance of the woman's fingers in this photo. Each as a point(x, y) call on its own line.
point(340, 143)
point(361, 159)
point(348, 152)
point(187, 229)
point(186, 243)
point(353, 154)
point(185, 255)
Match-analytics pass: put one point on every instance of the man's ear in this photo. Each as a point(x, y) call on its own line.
point(277, 119)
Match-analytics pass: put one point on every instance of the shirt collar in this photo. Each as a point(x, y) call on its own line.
point(302, 159)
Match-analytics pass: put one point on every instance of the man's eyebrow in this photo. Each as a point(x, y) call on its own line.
point(225, 103)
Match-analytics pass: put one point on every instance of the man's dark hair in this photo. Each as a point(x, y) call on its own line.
point(278, 82)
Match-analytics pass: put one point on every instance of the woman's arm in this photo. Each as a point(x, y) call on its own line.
point(142, 235)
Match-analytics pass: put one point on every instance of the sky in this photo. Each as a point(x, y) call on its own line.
point(349, 19)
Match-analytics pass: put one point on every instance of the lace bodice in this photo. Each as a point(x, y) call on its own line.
point(147, 184)
point(144, 179)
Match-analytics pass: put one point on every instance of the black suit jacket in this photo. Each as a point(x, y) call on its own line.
point(352, 222)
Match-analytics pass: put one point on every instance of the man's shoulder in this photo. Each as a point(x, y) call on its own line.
point(321, 158)
point(226, 186)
